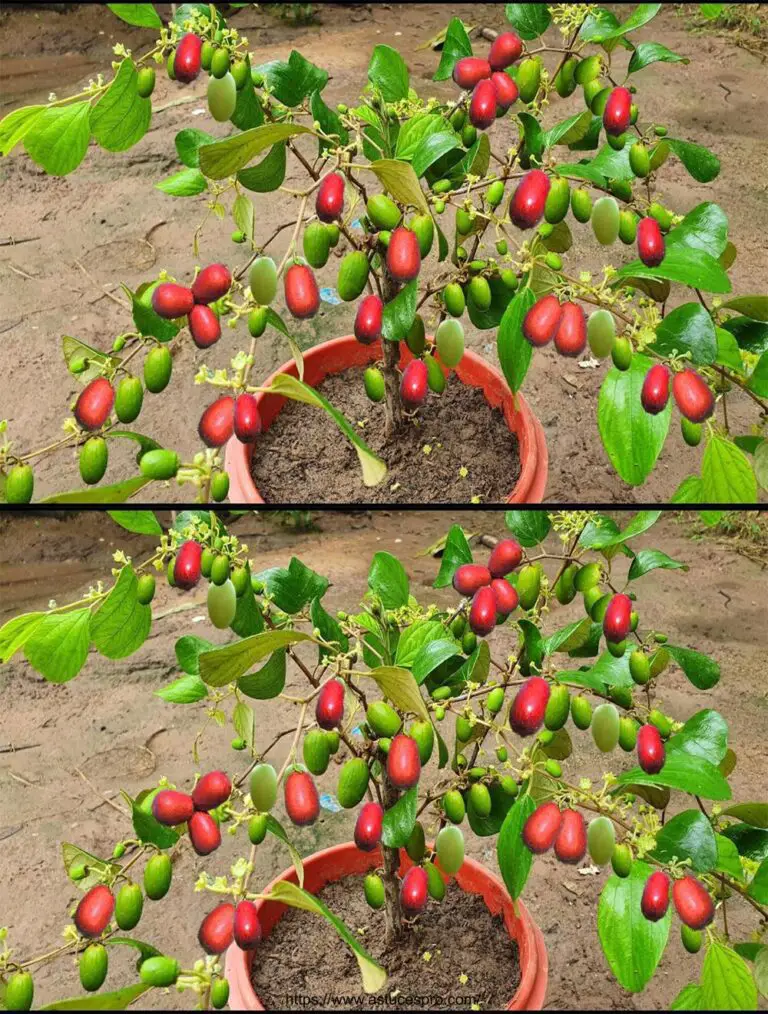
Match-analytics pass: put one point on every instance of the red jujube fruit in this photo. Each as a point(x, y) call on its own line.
point(94, 404)
point(469, 70)
point(213, 789)
point(403, 255)
point(368, 827)
point(505, 49)
point(329, 202)
point(329, 709)
point(170, 301)
point(302, 296)
point(186, 566)
point(505, 597)
point(217, 929)
point(655, 391)
point(171, 808)
point(413, 891)
point(650, 749)
point(618, 111)
point(527, 712)
point(482, 612)
point(247, 421)
point(212, 283)
point(302, 803)
point(217, 422)
point(527, 204)
point(246, 927)
point(571, 334)
point(482, 107)
point(470, 577)
point(571, 840)
point(618, 618)
point(650, 242)
point(542, 321)
point(505, 89)
point(95, 910)
point(541, 828)
point(413, 384)
point(505, 556)
point(403, 762)
point(692, 395)
point(368, 319)
point(204, 833)
point(655, 900)
point(186, 61)
point(693, 902)
point(204, 326)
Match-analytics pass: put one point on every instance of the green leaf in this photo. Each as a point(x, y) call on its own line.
point(646, 53)
point(293, 588)
point(758, 379)
point(701, 163)
point(761, 464)
point(98, 869)
point(293, 81)
point(726, 474)
point(60, 138)
point(685, 772)
point(608, 671)
point(646, 560)
point(751, 335)
point(758, 888)
point(728, 352)
point(726, 980)
point(515, 860)
point(276, 828)
point(148, 830)
point(574, 635)
point(431, 655)
point(400, 312)
point(501, 803)
point(687, 835)
point(15, 125)
point(415, 131)
point(58, 645)
point(632, 438)
point(269, 174)
point(491, 317)
point(755, 307)
point(387, 72)
point(186, 183)
point(631, 943)
point(689, 266)
point(514, 351)
point(225, 665)
point(399, 820)
point(329, 120)
point(140, 15)
point(641, 15)
point(149, 323)
point(188, 143)
point(689, 998)
point(530, 20)
point(267, 682)
point(455, 553)
point(388, 580)
point(243, 215)
point(185, 690)
point(605, 536)
point(224, 158)
point(700, 669)
point(248, 109)
point(415, 637)
point(121, 117)
point(117, 493)
point(530, 527)
point(329, 629)
point(121, 624)
point(705, 227)
point(712, 11)
point(728, 857)
point(16, 632)
point(705, 734)
point(243, 722)
point(141, 522)
point(688, 328)
point(401, 688)
point(755, 814)
point(456, 45)
point(120, 999)
point(188, 652)
point(569, 131)
point(612, 164)
point(751, 842)
point(432, 148)
point(400, 182)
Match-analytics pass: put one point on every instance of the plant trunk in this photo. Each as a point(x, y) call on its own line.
point(392, 912)
point(392, 404)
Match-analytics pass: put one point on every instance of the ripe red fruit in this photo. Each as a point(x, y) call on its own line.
point(171, 808)
point(693, 902)
point(302, 803)
point(505, 89)
point(329, 709)
point(95, 910)
point(204, 833)
point(204, 326)
point(618, 618)
point(186, 567)
point(247, 928)
point(217, 929)
point(650, 242)
point(571, 334)
point(470, 577)
point(505, 49)
point(541, 828)
point(650, 749)
point(693, 395)
point(329, 202)
point(618, 111)
point(469, 70)
point(247, 418)
point(505, 597)
point(541, 323)
point(655, 392)
point(529, 705)
point(482, 107)
point(413, 385)
point(171, 301)
point(527, 204)
point(413, 890)
point(217, 422)
point(94, 404)
point(403, 255)
point(212, 283)
point(368, 320)
point(211, 791)
point(302, 296)
point(505, 556)
point(186, 62)
point(368, 827)
point(403, 762)
point(571, 841)
point(482, 612)
point(655, 900)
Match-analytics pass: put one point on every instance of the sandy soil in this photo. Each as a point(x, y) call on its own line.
point(107, 724)
point(89, 230)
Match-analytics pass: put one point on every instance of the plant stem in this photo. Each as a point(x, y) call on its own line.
point(392, 912)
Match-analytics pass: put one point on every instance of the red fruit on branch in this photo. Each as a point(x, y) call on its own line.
point(693, 902)
point(469, 70)
point(368, 319)
point(302, 296)
point(618, 618)
point(172, 808)
point(329, 202)
point(470, 577)
point(247, 421)
point(655, 391)
point(505, 49)
point(246, 927)
point(95, 910)
point(204, 833)
point(527, 712)
point(505, 597)
point(403, 255)
point(212, 283)
point(618, 111)
point(655, 900)
point(650, 242)
point(413, 891)
point(204, 326)
point(186, 61)
point(217, 422)
point(212, 790)
point(527, 204)
point(186, 566)
point(482, 106)
point(693, 396)
point(170, 301)
point(368, 827)
point(505, 556)
point(329, 709)
point(571, 334)
point(217, 929)
point(541, 828)
point(505, 89)
point(541, 323)
point(650, 749)
point(403, 762)
point(413, 384)
point(302, 803)
point(571, 840)
point(482, 612)
point(94, 404)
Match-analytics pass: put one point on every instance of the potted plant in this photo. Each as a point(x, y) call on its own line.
point(408, 716)
point(423, 223)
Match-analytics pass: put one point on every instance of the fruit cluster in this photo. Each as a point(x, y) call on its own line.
point(493, 597)
point(493, 91)
point(194, 54)
point(172, 808)
point(192, 561)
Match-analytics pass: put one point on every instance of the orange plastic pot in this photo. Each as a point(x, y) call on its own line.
point(346, 860)
point(342, 354)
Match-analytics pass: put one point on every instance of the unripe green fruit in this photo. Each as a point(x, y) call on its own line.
point(353, 274)
point(558, 708)
point(463, 728)
point(468, 642)
point(595, 601)
point(383, 212)
point(384, 744)
point(553, 768)
point(442, 187)
point(545, 737)
point(545, 230)
point(119, 851)
point(463, 222)
point(600, 101)
point(373, 381)
point(468, 136)
point(238, 743)
point(591, 90)
point(449, 848)
point(257, 321)
point(662, 216)
point(581, 205)
point(19, 992)
point(157, 369)
point(558, 200)
point(509, 278)
point(601, 332)
point(222, 97)
point(263, 280)
point(634, 111)
point(78, 364)
point(241, 73)
point(509, 785)
point(627, 226)
point(449, 342)
point(424, 229)
point(662, 723)
point(495, 700)
point(129, 905)
point(424, 735)
point(691, 939)
point(628, 728)
point(435, 882)
point(622, 189)
point(565, 79)
point(480, 799)
point(435, 376)
point(416, 845)
point(588, 69)
point(605, 220)
point(691, 431)
point(621, 860)
point(494, 195)
point(458, 626)
point(94, 457)
point(461, 253)
point(383, 719)
point(480, 292)
point(501, 754)
point(257, 828)
point(529, 586)
point(316, 752)
point(159, 971)
point(617, 141)
point(353, 781)
point(241, 581)
point(639, 667)
point(206, 54)
point(621, 696)
point(453, 299)
point(316, 243)
point(220, 63)
point(157, 876)
point(93, 966)
point(581, 712)
point(129, 396)
point(461, 761)
point(565, 589)
point(145, 82)
point(458, 116)
point(78, 871)
point(621, 353)
point(441, 693)
point(220, 569)
point(617, 648)
point(222, 604)
point(373, 888)
point(416, 339)
point(529, 78)
point(263, 787)
point(159, 464)
point(639, 159)
point(169, 65)
point(605, 727)
point(553, 261)
point(219, 993)
point(439, 207)
point(169, 573)
point(453, 806)
point(145, 589)
point(502, 247)
point(601, 840)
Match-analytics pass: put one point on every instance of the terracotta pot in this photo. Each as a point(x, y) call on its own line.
point(341, 354)
point(333, 864)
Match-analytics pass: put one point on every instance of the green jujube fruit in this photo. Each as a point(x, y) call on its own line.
point(449, 342)
point(263, 787)
point(353, 781)
point(93, 967)
point(627, 226)
point(605, 220)
point(581, 712)
point(145, 589)
point(159, 971)
point(495, 700)
point(383, 212)
point(257, 828)
point(605, 727)
point(529, 586)
point(257, 321)
point(222, 97)
point(353, 274)
point(19, 992)
point(219, 569)
point(468, 136)
point(424, 229)
point(598, 608)
point(316, 243)
point(558, 201)
point(145, 82)
point(316, 752)
point(565, 589)
point(494, 195)
point(157, 876)
point(157, 369)
point(509, 785)
point(588, 69)
point(416, 339)
point(241, 72)
point(449, 848)
point(621, 696)
point(219, 63)
point(691, 431)
point(601, 332)
point(529, 78)
point(453, 806)
point(469, 642)
point(219, 993)
point(581, 205)
point(463, 222)
point(416, 846)
point(558, 708)
point(480, 799)
point(628, 729)
point(662, 216)
point(480, 292)
point(383, 719)
point(159, 464)
point(263, 280)
point(424, 735)
point(129, 396)
point(601, 840)
point(453, 299)
point(622, 189)
point(435, 882)
point(639, 667)
point(691, 939)
point(621, 860)
point(621, 353)
point(600, 100)
point(373, 889)
point(222, 604)
point(662, 722)
point(565, 79)
point(588, 576)
point(375, 386)
point(94, 457)
point(591, 90)
point(129, 905)
point(639, 159)
point(463, 729)
point(435, 376)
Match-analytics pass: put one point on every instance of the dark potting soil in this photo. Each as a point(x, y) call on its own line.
point(303, 965)
point(304, 458)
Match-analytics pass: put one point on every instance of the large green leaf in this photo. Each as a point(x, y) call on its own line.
point(416, 637)
point(455, 46)
point(514, 351)
point(685, 772)
point(753, 306)
point(15, 125)
point(515, 860)
point(387, 72)
point(705, 227)
point(58, 645)
point(139, 15)
point(121, 117)
point(726, 980)
point(121, 624)
point(399, 313)
point(530, 527)
point(705, 735)
point(758, 888)
point(185, 690)
point(293, 81)
point(266, 683)
point(700, 669)
point(58, 138)
point(329, 629)
point(268, 174)
point(641, 15)
point(330, 122)
point(687, 265)
point(455, 553)
point(120, 999)
point(16, 632)
point(687, 835)
point(388, 580)
point(687, 329)
point(700, 162)
point(399, 820)
point(434, 147)
point(726, 474)
point(755, 814)
point(530, 20)
point(401, 688)
point(225, 158)
point(293, 587)
point(646, 560)
point(400, 182)
point(276, 828)
point(141, 522)
point(225, 665)
point(751, 842)
point(646, 53)
point(606, 534)
point(431, 655)
point(689, 998)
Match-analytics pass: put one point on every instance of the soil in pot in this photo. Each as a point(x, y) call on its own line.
point(303, 965)
point(303, 458)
